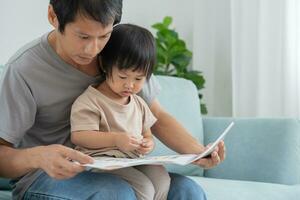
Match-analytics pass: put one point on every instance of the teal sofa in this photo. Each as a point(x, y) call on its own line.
point(263, 155)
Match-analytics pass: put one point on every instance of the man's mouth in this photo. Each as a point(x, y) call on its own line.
point(85, 58)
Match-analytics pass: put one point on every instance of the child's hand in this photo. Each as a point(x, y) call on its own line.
point(146, 146)
point(127, 142)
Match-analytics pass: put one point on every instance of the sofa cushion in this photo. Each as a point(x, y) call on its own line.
point(5, 195)
point(180, 98)
point(220, 189)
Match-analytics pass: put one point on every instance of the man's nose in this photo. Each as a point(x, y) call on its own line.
point(92, 48)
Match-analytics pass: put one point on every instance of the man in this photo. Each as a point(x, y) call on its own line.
point(39, 85)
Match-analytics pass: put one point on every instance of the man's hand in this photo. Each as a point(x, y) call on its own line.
point(146, 146)
point(57, 161)
point(217, 156)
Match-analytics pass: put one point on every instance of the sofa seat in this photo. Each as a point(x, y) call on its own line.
point(223, 189)
point(5, 195)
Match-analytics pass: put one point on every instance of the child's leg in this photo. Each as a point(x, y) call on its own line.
point(141, 184)
point(160, 179)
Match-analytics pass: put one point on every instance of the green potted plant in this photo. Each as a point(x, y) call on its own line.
point(173, 57)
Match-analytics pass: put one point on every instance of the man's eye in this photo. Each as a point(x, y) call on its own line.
point(84, 37)
point(106, 36)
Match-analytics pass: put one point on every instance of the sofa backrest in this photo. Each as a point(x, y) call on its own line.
point(180, 98)
point(258, 149)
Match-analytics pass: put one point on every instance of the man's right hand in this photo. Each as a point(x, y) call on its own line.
point(57, 160)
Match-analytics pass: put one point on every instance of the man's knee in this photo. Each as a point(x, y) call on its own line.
point(116, 189)
point(185, 189)
point(124, 192)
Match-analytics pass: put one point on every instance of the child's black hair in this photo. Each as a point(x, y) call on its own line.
point(129, 47)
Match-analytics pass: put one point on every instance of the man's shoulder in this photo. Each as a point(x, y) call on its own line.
point(25, 52)
point(29, 57)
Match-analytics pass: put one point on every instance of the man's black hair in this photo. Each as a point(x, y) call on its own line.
point(103, 11)
point(129, 47)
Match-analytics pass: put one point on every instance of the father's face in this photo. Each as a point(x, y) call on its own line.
point(82, 40)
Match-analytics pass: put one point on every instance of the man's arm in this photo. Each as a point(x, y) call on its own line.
point(170, 131)
point(174, 135)
point(13, 162)
point(53, 159)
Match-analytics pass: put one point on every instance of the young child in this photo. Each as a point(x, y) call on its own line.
point(109, 119)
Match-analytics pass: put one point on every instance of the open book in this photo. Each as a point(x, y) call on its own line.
point(110, 163)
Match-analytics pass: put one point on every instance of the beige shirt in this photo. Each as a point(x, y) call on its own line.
point(96, 112)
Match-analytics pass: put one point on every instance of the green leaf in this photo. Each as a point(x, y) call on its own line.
point(203, 109)
point(167, 21)
point(158, 26)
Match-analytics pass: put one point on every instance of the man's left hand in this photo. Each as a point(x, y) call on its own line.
point(216, 157)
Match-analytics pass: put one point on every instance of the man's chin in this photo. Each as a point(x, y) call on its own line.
point(83, 62)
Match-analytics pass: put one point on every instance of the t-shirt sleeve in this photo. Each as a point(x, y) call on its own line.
point(17, 105)
point(148, 118)
point(150, 90)
point(84, 116)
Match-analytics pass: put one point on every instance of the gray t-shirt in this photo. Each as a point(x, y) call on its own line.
point(37, 90)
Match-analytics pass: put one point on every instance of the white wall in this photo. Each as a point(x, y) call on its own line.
point(212, 47)
point(194, 20)
point(21, 22)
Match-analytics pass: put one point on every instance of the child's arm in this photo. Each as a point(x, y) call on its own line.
point(97, 140)
point(147, 144)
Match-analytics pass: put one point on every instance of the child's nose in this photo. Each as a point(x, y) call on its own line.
point(129, 84)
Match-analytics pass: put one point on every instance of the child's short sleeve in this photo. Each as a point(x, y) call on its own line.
point(84, 115)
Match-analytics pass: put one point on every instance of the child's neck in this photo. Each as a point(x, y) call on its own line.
point(108, 92)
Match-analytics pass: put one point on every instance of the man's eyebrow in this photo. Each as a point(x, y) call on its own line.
point(82, 33)
point(109, 32)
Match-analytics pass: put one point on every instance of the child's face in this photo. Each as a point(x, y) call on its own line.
point(126, 82)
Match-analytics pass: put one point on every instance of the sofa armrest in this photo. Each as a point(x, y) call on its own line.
point(266, 150)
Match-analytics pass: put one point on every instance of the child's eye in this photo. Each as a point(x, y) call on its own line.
point(138, 79)
point(122, 77)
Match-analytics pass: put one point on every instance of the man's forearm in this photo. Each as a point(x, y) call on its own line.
point(174, 135)
point(15, 163)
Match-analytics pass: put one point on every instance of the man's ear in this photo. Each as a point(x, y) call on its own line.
point(52, 18)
